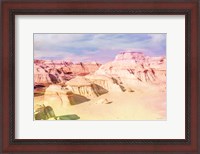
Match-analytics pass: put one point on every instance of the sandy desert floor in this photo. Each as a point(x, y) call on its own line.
point(145, 104)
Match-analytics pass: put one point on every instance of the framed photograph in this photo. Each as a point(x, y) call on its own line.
point(100, 76)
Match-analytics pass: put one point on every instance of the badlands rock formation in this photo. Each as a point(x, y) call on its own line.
point(127, 68)
point(105, 82)
point(128, 71)
point(135, 68)
point(92, 86)
point(82, 86)
point(48, 71)
point(57, 97)
point(132, 86)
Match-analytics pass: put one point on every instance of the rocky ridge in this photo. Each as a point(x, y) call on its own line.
point(135, 67)
point(49, 71)
point(67, 84)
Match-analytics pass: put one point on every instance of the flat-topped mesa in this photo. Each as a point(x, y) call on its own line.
point(130, 55)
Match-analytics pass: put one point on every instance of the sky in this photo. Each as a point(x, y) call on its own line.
point(100, 48)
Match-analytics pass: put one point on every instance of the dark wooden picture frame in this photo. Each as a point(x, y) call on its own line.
point(187, 8)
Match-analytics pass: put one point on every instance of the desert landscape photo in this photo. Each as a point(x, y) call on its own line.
point(99, 76)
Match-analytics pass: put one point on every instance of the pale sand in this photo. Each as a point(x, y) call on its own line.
point(146, 104)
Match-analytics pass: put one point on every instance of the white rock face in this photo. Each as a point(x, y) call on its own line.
point(57, 98)
point(102, 101)
point(105, 82)
point(82, 86)
point(92, 86)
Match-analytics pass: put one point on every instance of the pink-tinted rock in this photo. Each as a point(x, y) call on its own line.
point(58, 71)
point(127, 68)
point(135, 67)
point(130, 56)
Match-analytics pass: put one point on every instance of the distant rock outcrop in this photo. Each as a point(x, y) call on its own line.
point(51, 71)
point(128, 55)
point(135, 67)
point(88, 80)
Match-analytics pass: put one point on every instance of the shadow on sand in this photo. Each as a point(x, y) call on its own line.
point(78, 99)
point(68, 117)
